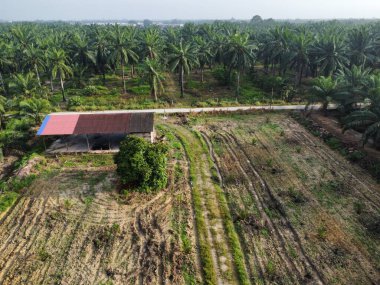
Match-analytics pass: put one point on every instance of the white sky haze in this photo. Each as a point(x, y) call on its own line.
point(189, 9)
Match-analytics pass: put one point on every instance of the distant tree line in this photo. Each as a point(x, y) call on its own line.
point(342, 57)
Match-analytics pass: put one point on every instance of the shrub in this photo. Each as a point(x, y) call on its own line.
point(222, 76)
point(141, 164)
point(75, 101)
point(89, 90)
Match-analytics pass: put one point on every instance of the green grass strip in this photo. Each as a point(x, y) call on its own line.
point(233, 238)
point(208, 272)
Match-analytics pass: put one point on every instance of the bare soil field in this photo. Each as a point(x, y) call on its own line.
point(73, 227)
point(252, 199)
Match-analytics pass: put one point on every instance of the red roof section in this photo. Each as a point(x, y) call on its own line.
point(72, 124)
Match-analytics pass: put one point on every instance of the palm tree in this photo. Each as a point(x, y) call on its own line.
point(121, 51)
point(361, 46)
point(24, 84)
point(204, 54)
point(35, 108)
point(299, 55)
point(132, 44)
point(369, 120)
point(151, 43)
point(374, 90)
point(154, 76)
point(182, 58)
point(102, 53)
point(60, 68)
point(353, 84)
point(330, 54)
point(81, 52)
point(323, 90)
point(36, 59)
point(239, 56)
point(5, 61)
point(277, 47)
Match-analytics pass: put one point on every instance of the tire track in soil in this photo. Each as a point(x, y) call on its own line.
point(307, 266)
point(15, 228)
point(216, 257)
point(264, 144)
point(335, 165)
point(301, 138)
point(46, 265)
point(242, 240)
point(11, 255)
point(278, 243)
point(34, 233)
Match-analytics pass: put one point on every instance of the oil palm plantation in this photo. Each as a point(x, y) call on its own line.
point(60, 68)
point(182, 57)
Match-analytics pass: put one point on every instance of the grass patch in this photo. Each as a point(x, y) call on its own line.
point(7, 199)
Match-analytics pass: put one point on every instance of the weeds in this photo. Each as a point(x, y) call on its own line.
point(322, 232)
point(43, 255)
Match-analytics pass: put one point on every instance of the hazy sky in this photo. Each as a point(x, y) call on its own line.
point(189, 9)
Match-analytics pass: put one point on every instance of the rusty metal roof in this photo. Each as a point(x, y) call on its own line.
point(67, 124)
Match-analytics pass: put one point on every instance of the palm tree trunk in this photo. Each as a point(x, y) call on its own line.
point(324, 108)
point(3, 84)
point(51, 83)
point(62, 89)
point(122, 71)
point(37, 74)
point(237, 85)
point(132, 70)
point(153, 93)
point(300, 75)
point(181, 75)
point(202, 77)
